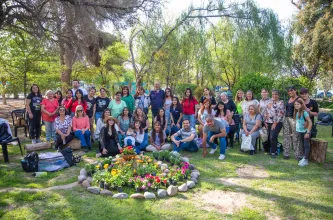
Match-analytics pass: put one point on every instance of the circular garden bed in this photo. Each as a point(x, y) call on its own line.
point(161, 174)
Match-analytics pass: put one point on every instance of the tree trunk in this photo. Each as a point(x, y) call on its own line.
point(318, 150)
point(25, 84)
point(4, 100)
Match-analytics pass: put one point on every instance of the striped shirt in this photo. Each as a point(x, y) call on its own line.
point(185, 133)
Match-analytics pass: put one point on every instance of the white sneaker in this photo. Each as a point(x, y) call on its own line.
point(304, 163)
point(301, 161)
point(212, 151)
point(33, 141)
point(221, 157)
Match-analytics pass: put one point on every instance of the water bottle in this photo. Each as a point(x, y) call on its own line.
point(40, 174)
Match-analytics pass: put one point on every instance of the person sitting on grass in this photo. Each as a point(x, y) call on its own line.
point(162, 119)
point(129, 140)
point(303, 128)
point(184, 139)
point(109, 139)
point(101, 122)
point(81, 128)
point(212, 130)
point(140, 116)
point(124, 123)
point(157, 139)
point(141, 138)
point(63, 125)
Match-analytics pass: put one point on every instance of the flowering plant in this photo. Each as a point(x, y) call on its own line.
point(128, 150)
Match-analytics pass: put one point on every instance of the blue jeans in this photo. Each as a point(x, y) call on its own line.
point(84, 138)
point(50, 131)
point(187, 146)
point(174, 129)
point(121, 137)
point(191, 118)
point(97, 116)
point(222, 140)
point(140, 147)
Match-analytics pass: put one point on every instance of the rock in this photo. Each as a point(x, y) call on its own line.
point(137, 196)
point(190, 184)
point(86, 184)
point(175, 153)
point(196, 171)
point(185, 159)
point(194, 180)
point(81, 178)
point(106, 192)
point(89, 179)
point(83, 172)
point(182, 188)
point(161, 193)
point(191, 167)
point(194, 175)
point(159, 163)
point(94, 189)
point(120, 196)
point(166, 171)
point(149, 195)
point(164, 166)
point(172, 190)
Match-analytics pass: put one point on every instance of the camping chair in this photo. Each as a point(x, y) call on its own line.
point(325, 119)
point(19, 121)
point(7, 139)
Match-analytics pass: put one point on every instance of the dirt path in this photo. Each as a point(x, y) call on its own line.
point(67, 186)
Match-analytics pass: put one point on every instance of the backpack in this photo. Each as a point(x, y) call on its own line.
point(68, 155)
point(4, 134)
point(30, 162)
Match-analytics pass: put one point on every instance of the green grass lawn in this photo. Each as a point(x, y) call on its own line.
point(286, 191)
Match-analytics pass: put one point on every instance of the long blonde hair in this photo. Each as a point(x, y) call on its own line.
point(238, 100)
point(83, 113)
point(301, 110)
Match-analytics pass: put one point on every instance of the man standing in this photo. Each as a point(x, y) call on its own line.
point(156, 98)
point(76, 86)
point(291, 137)
point(214, 129)
point(311, 107)
point(184, 139)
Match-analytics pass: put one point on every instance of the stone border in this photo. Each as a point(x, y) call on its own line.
point(86, 180)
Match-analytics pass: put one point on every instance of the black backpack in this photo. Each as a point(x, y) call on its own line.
point(4, 134)
point(30, 162)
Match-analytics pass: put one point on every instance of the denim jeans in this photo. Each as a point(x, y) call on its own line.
point(187, 146)
point(174, 129)
point(121, 138)
point(97, 116)
point(50, 131)
point(191, 118)
point(84, 138)
point(222, 140)
point(141, 146)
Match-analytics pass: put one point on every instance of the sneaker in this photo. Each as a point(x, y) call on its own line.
point(221, 157)
point(38, 140)
point(212, 151)
point(273, 156)
point(303, 163)
point(33, 141)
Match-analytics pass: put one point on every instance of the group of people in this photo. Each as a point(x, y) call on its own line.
point(123, 121)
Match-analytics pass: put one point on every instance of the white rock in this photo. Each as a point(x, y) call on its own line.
point(81, 178)
point(137, 196)
point(149, 195)
point(172, 190)
point(106, 192)
point(83, 172)
point(94, 189)
point(161, 193)
point(190, 184)
point(85, 184)
point(120, 196)
point(182, 188)
point(185, 159)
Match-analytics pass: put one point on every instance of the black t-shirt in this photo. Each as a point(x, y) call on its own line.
point(90, 106)
point(230, 105)
point(35, 102)
point(313, 106)
point(176, 112)
point(212, 100)
point(290, 108)
point(102, 103)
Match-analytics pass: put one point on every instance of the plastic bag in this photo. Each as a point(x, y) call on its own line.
point(246, 143)
point(263, 134)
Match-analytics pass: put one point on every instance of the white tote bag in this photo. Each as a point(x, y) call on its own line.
point(246, 143)
point(263, 134)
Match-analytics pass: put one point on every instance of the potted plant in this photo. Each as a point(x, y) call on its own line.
point(128, 153)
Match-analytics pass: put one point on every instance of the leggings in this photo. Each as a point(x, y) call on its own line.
point(273, 137)
point(35, 126)
point(304, 144)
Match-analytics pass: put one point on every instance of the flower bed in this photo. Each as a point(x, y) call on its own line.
point(161, 172)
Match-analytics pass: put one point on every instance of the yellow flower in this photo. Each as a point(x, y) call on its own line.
point(114, 172)
point(97, 166)
point(134, 170)
point(128, 165)
point(149, 161)
point(139, 161)
point(106, 166)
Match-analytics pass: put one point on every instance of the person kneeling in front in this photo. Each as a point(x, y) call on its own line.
point(214, 129)
point(184, 139)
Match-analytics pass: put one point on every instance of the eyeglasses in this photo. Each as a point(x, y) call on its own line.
point(61, 110)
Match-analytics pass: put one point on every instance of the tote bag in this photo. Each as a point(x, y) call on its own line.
point(246, 143)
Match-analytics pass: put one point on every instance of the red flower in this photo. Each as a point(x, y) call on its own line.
point(121, 150)
point(164, 181)
point(129, 147)
point(158, 180)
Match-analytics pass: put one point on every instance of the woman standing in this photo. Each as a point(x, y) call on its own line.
point(238, 101)
point(109, 139)
point(102, 103)
point(78, 101)
point(142, 100)
point(249, 100)
point(33, 102)
point(207, 95)
point(167, 104)
point(63, 125)
point(273, 117)
point(264, 101)
point(124, 122)
point(303, 128)
point(189, 107)
point(157, 139)
point(91, 109)
point(205, 110)
point(58, 96)
point(176, 115)
point(140, 116)
point(67, 99)
point(81, 128)
point(223, 113)
point(49, 109)
point(127, 98)
point(251, 124)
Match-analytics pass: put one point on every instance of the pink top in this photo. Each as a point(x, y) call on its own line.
point(227, 115)
point(80, 123)
point(49, 106)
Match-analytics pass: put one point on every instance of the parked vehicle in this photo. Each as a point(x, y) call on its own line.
point(321, 95)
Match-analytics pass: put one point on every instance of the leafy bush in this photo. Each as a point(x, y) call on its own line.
point(180, 89)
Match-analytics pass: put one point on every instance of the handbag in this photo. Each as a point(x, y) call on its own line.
point(246, 143)
point(263, 134)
